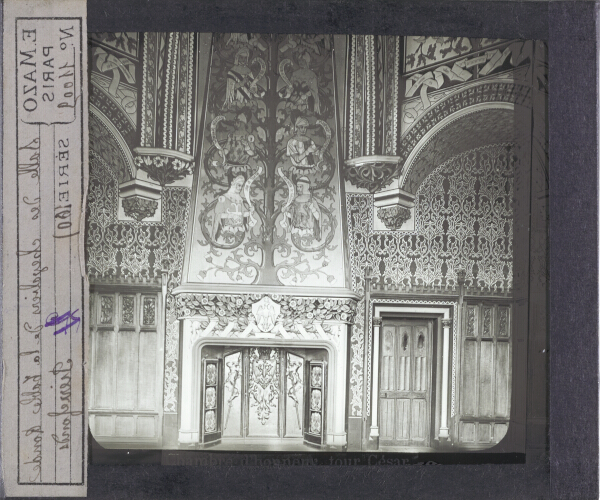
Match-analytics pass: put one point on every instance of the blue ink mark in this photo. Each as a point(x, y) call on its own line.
point(69, 317)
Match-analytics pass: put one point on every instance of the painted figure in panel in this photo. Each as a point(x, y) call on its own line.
point(269, 206)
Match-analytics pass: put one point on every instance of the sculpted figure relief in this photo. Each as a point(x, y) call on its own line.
point(239, 147)
point(302, 87)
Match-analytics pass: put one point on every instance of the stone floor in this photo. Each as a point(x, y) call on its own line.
point(289, 444)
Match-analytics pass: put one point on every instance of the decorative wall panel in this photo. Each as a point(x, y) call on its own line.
point(283, 316)
point(463, 220)
point(104, 142)
point(488, 126)
point(506, 91)
point(267, 208)
point(115, 61)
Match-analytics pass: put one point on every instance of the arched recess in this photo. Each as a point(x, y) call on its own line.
point(454, 125)
point(470, 128)
point(107, 142)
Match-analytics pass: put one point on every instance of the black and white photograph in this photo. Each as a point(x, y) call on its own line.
point(317, 242)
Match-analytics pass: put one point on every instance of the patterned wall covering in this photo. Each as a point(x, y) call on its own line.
point(424, 51)
point(177, 127)
point(166, 145)
point(114, 65)
point(153, 87)
point(124, 43)
point(464, 220)
point(267, 208)
point(138, 249)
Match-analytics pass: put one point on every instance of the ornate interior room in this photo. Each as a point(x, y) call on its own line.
point(318, 242)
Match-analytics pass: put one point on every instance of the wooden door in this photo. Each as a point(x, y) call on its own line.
point(405, 379)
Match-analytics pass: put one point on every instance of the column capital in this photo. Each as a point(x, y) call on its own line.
point(377, 321)
point(447, 323)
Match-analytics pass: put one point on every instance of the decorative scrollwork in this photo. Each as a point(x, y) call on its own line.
point(149, 310)
point(264, 381)
point(294, 383)
point(106, 309)
point(127, 307)
point(393, 217)
point(232, 382)
point(502, 321)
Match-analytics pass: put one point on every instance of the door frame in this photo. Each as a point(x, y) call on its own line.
point(445, 316)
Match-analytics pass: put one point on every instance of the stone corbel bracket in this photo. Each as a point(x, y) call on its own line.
point(372, 172)
point(394, 207)
point(139, 198)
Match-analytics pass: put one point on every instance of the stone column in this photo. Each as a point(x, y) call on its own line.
point(447, 328)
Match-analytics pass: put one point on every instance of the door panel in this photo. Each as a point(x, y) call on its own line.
point(211, 421)
point(294, 408)
point(386, 424)
point(405, 383)
point(402, 418)
point(387, 359)
point(485, 374)
point(315, 416)
point(264, 390)
point(419, 421)
point(232, 423)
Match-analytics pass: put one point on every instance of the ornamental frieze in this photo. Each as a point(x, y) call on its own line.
point(261, 312)
point(164, 168)
point(372, 172)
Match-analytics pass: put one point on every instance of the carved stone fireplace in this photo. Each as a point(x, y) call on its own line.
point(278, 358)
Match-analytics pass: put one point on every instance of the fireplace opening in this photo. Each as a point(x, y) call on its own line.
point(263, 392)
